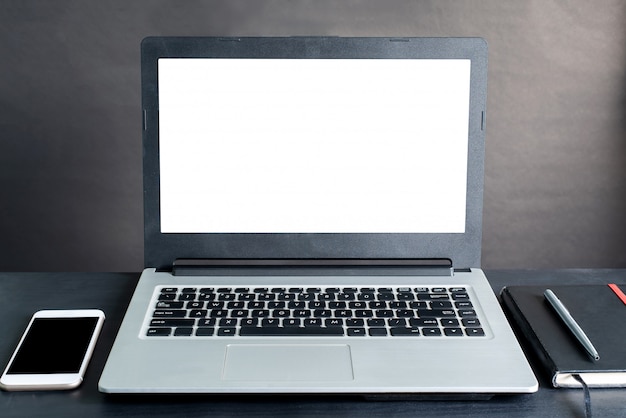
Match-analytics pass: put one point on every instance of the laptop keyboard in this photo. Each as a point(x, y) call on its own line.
point(324, 311)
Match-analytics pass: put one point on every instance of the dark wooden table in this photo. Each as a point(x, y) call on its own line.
point(21, 294)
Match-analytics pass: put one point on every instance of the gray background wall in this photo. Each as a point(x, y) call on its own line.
point(70, 139)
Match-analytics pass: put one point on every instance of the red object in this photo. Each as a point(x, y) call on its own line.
point(618, 292)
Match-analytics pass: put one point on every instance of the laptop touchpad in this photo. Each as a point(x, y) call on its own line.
point(288, 362)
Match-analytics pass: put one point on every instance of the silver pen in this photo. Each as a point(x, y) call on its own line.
point(571, 323)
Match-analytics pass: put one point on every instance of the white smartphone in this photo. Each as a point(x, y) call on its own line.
point(54, 351)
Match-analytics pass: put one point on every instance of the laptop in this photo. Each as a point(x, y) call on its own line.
point(313, 213)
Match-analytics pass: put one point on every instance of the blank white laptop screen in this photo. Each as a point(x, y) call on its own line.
point(313, 146)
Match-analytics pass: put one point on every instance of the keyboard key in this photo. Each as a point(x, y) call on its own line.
point(282, 313)
point(453, 332)
point(355, 322)
point(436, 313)
point(302, 313)
point(313, 322)
point(423, 322)
point(430, 332)
point(226, 332)
point(204, 332)
point(375, 322)
point(437, 304)
point(406, 296)
point(171, 322)
point(470, 322)
point(290, 331)
point(449, 322)
point(218, 313)
point(206, 322)
point(474, 332)
point(378, 332)
point(267, 322)
point(159, 332)
point(403, 332)
point(399, 322)
point(405, 313)
point(206, 296)
point(335, 322)
point(322, 313)
point(251, 322)
point(169, 305)
point(183, 332)
point(198, 313)
point(356, 332)
point(169, 313)
point(227, 322)
point(239, 313)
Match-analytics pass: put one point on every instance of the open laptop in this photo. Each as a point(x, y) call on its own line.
point(313, 211)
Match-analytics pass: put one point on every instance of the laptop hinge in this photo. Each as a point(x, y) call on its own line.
point(382, 266)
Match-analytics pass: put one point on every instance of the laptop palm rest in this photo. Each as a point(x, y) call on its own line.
point(288, 362)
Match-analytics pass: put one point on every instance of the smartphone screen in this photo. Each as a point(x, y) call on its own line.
point(54, 345)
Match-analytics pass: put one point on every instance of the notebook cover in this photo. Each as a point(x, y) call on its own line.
point(598, 311)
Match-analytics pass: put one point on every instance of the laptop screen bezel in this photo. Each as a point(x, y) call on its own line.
point(464, 249)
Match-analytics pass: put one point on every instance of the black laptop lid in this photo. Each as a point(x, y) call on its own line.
point(313, 148)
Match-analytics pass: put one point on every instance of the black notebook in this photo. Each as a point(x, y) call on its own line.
point(599, 312)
